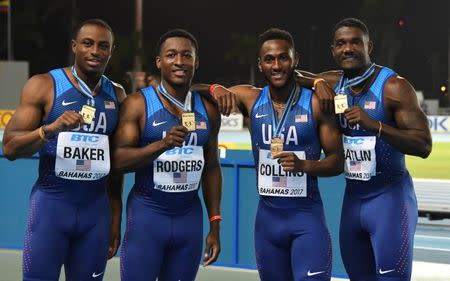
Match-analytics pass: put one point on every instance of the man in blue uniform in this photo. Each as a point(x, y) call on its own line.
point(67, 115)
point(288, 132)
point(168, 136)
point(382, 123)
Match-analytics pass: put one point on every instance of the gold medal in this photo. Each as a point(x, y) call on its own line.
point(88, 113)
point(276, 145)
point(340, 103)
point(188, 121)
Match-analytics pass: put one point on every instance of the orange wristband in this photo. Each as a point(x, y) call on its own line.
point(41, 134)
point(317, 80)
point(213, 87)
point(214, 218)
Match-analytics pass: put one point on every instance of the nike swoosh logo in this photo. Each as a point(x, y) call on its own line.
point(385, 271)
point(158, 123)
point(94, 275)
point(314, 273)
point(64, 103)
point(260, 116)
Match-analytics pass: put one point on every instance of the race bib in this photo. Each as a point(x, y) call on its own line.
point(82, 156)
point(179, 169)
point(274, 181)
point(360, 157)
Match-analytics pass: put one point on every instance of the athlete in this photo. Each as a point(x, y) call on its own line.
point(67, 115)
point(288, 131)
point(168, 136)
point(381, 121)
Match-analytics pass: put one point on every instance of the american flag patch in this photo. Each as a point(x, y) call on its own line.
point(279, 181)
point(83, 165)
point(200, 125)
point(301, 118)
point(110, 104)
point(180, 177)
point(355, 166)
point(370, 105)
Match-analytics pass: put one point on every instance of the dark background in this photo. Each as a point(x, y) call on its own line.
point(227, 32)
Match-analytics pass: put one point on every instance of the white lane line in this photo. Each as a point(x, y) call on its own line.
point(431, 237)
point(432, 249)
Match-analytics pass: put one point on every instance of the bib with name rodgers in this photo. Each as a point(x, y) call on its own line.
point(360, 157)
point(179, 169)
point(274, 181)
point(82, 156)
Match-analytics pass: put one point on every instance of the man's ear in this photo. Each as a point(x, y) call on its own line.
point(74, 45)
point(158, 62)
point(370, 47)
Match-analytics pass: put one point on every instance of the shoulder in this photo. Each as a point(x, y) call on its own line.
point(134, 99)
point(120, 91)
point(133, 104)
point(38, 88)
point(41, 80)
point(399, 92)
point(397, 86)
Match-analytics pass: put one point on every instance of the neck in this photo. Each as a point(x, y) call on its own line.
point(177, 91)
point(352, 73)
point(91, 79)
point(281, 95)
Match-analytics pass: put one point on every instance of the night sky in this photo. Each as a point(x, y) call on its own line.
point(418, 50)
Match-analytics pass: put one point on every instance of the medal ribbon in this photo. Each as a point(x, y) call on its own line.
point(346, 83)
point(277, 126)
point(84, 88)
point(187, 106)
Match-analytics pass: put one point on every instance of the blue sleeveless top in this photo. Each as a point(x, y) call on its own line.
point(390, 163)
point(67, 97)
point(299, 134)
point(158, 122)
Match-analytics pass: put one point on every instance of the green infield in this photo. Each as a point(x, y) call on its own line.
point(436, 166)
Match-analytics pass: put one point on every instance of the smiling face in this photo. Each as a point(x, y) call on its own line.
point(177, 61)
point(277, 60)
point(92, 48)
point(351, 49)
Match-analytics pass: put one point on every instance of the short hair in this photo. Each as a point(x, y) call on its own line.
point(273, 34)
point(351, 22)
point(178, 32)
point(98, 22)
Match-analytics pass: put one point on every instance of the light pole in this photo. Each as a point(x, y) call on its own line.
point(137, 56)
